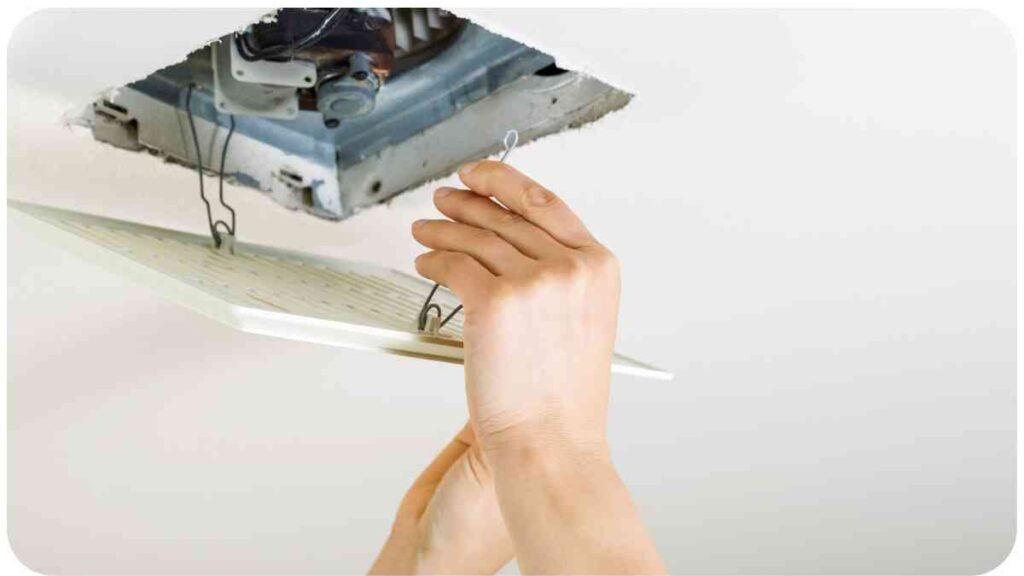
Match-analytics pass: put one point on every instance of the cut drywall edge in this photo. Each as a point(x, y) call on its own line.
point(491, 19)
point(78, 115)
point(343, 197)
point(96, 64)
point(135, 27)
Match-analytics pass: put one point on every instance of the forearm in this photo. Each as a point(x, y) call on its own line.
point(398, 556)
point(449, 521)
point(568, 511)
point(401, 555)
point(540, 297)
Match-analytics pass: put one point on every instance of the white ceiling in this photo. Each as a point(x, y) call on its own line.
point(815, 212)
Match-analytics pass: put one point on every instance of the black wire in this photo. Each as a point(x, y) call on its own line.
point(199, 167)
point(223, 158)
point(279, 50)
point(199, 170)
point(510, 141)
point(428, 306)
point(450, 316)
point(325, 27)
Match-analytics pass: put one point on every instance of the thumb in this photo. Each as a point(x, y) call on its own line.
point(423, 488)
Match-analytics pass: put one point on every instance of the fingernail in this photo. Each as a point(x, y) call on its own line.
point(418, 223)
point(468, 168)
point(442, 192)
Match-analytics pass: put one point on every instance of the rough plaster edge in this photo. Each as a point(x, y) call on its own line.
point(80, 115)
point(491, 21)
point(76, 114)
point(488, 22)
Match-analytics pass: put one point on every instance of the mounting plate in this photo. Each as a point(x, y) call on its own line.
point(295, 73)
point(234, 97)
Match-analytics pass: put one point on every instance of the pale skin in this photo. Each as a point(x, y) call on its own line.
point(530, 475)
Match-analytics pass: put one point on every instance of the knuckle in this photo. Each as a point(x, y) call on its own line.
point(490, 242)
point(508, 218)
point(571, 272)
point(549, 275)
point(534, 195)
point(485, 236)
point(459, 259)
point(500, 296)
point(566, 269)
point(574, 266)
point(607, 263)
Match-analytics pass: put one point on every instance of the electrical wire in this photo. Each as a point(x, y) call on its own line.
point(199, 170)
point(428, 306)
point(223, 159)
point(286, 50)
point(510, 141)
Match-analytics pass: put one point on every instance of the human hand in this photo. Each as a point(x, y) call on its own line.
point(449, 521)
point(540, 298)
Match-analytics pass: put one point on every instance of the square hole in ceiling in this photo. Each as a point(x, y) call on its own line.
point(332, 110)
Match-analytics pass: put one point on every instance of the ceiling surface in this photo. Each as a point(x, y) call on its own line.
point(815, 212)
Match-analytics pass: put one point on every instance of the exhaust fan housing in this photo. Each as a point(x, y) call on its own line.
point(335, 110)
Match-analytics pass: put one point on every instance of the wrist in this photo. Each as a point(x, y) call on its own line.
point(545, 446)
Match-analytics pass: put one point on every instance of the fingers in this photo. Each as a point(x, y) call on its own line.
point(485, 246)
point(462, 274)
point(466, 435)
point(422, 489)
point(465, 206)
point(528, 199)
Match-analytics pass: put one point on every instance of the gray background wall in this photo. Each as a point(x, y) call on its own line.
point(816, 216)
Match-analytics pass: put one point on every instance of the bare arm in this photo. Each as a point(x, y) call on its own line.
point(541, 304)
point(449, 521)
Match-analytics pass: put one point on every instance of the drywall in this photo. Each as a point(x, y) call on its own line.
point(817, 237)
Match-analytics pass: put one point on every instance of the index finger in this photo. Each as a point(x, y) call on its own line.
point(527, 198)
